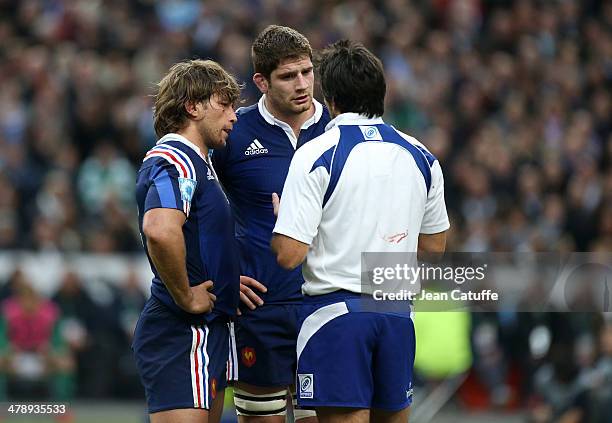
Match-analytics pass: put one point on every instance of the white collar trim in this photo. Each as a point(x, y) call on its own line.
point(353, 119)
point(177, 137)
point(269, 117)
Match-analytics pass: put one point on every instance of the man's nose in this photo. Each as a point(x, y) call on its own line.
point(233, 117)
point(302, 82)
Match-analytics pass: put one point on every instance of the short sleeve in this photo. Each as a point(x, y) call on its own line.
point(167, 190)
point(435, 219)
point(302, 198)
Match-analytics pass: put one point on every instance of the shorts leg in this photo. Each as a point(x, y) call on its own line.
point(217, 350)
point(262, 350)
point(181, 365)
point(335, 350)
point(354, 359)
point(393, 363)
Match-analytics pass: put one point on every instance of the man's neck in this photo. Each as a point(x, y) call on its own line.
point(295, 121)
point(193, 136)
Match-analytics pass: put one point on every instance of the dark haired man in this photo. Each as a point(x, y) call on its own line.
point(362, 186)
point(253, 166)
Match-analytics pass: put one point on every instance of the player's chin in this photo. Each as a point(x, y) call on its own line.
point(299, 108)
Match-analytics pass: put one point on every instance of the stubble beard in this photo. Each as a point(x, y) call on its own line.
point(210, 138)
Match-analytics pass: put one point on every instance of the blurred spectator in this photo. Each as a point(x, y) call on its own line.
point(79, 313)
point(103, 177)
point(35, 352)
point(132, 300)
point(562, 398)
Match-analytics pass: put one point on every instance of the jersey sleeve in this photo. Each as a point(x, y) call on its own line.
point(167, 189)
point(302, 198)
point(435, 219)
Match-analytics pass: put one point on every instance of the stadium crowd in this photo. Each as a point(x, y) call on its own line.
point(513, 97)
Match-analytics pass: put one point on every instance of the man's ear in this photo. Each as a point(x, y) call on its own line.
point(191, 107)
point(261, 82)
point(194, 109)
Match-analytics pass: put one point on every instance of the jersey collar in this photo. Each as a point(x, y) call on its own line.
point(177, 137)
point(353, 119)
point(269, 117)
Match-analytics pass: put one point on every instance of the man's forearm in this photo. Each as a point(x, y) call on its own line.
point(290, 253)
point(168, 255)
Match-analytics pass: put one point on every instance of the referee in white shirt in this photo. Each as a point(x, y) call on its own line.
point(362, 186)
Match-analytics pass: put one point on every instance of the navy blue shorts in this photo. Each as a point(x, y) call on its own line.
point(181, 364)
point(350, 357)
point(262, 346)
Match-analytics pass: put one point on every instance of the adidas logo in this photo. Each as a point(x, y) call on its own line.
point(255, 148)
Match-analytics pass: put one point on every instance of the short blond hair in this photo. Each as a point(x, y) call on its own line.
point(189, 81)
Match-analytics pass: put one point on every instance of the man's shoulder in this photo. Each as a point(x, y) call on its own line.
point(249, 122)
point(431, 159)
point(246, 111)
point(319, 145)
point(177, 156)
point(412, 140)
point(248, 117)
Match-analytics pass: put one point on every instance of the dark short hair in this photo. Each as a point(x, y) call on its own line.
point(352, 78)
point(276, 43)
point(193, 80)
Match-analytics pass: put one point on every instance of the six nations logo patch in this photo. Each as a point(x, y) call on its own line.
point(187, 187)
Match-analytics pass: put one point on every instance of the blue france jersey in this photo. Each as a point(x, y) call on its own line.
point(175, 175)
point(251, 167)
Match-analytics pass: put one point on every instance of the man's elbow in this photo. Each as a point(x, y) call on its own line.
point(432, 244)
point(156, 233)
point(286, 257)
point(287, 261)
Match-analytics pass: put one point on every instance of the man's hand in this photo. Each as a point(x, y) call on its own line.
point(247, 295)
point(200, 300)
point(275, 203)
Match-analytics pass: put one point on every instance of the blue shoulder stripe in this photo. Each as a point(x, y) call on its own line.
point(350, 136)
point(325, 160)
point(420, 156)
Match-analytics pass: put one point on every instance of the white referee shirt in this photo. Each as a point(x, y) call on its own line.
point(362, 186)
